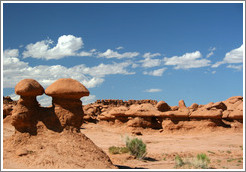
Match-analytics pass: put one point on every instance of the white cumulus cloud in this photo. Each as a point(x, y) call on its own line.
point(210, 54)
point(149, 55)
point(67, 45)
point(237, 67)
point(153, 90)
point(157, 72)
point(88, 99)
point(211, 49)
point(15, 70)
point(187, 61)
point(234, 56)
point(119, 48)
point(104, 69)
point(114, 54)
point(149, 62)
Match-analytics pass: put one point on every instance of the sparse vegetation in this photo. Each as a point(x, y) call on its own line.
point(201, 161)
point(136, 147)
point(118, 150)
point(229, 152)
point(233, 159)
point(178, 161)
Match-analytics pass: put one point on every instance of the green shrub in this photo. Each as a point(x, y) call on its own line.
point(124, 150)
point(118, 150)
point(201, 161)
point(114, 150)
point(136, 147)
point(178, 161)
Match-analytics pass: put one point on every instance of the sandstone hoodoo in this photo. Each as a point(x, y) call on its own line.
point(46, 149)
point(25, 113)
point(66, 94)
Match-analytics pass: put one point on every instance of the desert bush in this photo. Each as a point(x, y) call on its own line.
point(178, 161)
point(114, 150)
point(124, 150)
point(201, 161)
point(136, 147)
point(118, 150)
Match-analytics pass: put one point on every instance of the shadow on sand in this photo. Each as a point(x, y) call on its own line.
point(127, 167)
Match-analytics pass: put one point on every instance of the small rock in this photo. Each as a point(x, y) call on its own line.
point(137, 133)
point(21, 152)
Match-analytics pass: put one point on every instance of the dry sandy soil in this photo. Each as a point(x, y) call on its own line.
point(224, 147)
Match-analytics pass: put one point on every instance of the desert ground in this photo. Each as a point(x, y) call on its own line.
point(223, 146)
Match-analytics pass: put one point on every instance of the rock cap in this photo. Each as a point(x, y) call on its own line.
point(67, 88)
point(28, 87)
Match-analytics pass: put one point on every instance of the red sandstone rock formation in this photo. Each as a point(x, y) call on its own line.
point(112, 102)
point(163, 106)
point(234, 108)
point(8, 105)
point(25, 113)
point(66, 94)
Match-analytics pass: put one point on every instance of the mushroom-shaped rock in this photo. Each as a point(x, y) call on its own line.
point(66, 94)
point(67, 88)
point(29, 87)
point(163, 106)
point(25, 113)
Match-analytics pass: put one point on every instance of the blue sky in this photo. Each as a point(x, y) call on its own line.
point(161, 51)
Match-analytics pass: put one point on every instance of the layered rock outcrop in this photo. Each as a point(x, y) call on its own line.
point(112, 102)
point(8, 105)
point(161, 115)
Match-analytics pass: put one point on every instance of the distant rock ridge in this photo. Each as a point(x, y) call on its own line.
point(153, 114)
point(117, 102)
